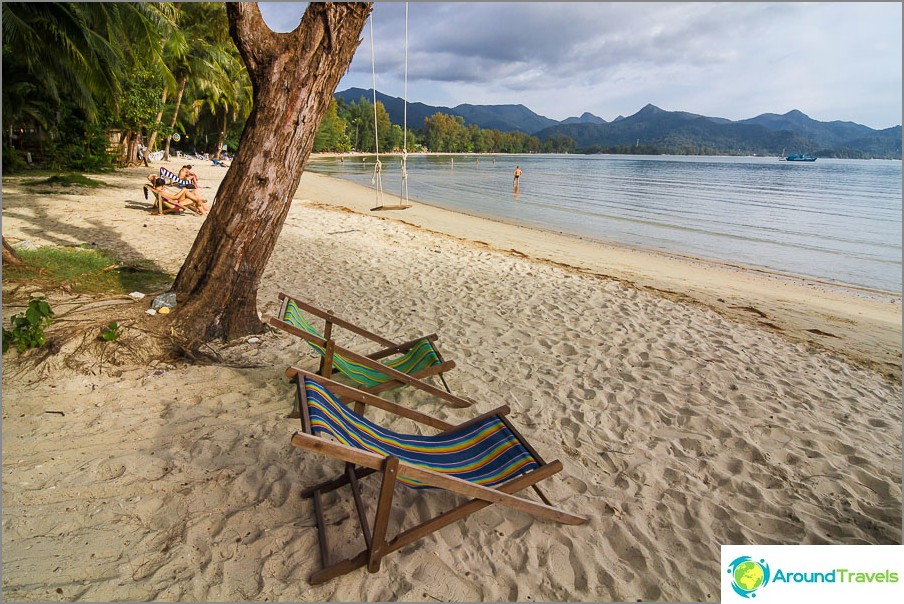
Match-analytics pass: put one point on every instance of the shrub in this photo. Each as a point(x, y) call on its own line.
point(28, 327)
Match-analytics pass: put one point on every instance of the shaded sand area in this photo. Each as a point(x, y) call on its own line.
point(679, 427)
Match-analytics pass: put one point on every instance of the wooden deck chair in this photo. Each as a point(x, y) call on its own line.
point(164, 205)
point(484, 459)
point(375, 372)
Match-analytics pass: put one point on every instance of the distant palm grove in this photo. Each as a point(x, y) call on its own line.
point(93, 85)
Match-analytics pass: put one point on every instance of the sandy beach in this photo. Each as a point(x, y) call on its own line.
point(692, 404)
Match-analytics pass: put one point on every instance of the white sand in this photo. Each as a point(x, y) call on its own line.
point(681, 423)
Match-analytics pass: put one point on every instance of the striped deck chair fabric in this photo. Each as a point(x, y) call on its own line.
point(419, 357)
point(168, 174)
point(486, 453)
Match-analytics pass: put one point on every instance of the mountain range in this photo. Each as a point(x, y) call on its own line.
point(666, 131)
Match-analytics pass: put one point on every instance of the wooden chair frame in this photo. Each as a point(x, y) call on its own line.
point(167, 206)
point(371, 360)
point(360, 463)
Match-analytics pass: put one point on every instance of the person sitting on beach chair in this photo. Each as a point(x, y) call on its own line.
point(183, 198)
point(185, 173)
point(170, 178)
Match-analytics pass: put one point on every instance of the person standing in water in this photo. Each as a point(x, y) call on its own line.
point(517, 176)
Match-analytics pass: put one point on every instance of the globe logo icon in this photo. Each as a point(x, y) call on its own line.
point(748, 575)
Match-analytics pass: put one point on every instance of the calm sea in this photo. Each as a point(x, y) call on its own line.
point(835, 220)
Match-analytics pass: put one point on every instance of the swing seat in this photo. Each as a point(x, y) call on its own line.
point(394, 365)
point(484, 459)
point(396, 207)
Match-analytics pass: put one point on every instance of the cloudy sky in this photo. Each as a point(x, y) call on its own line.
point(833, 61)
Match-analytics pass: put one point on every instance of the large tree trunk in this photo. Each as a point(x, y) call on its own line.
point(157, 122)
point(182, 84)
point(10, 256)
point(131, 150)
point(293, 77)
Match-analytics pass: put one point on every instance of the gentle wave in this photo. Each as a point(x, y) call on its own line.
point(833, 220)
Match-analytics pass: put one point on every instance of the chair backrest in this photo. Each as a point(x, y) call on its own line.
point(294, 317)
point(168, 174)
point(485, 452)
point(422, 355)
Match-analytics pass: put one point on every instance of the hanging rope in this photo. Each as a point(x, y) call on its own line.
point(403, 194)
point(377, 179)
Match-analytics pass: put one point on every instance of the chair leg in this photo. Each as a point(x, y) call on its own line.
point(321, 530)
point(541, 495)
point(381, 522)
point(415, 533)
point(332, 485)
point(445, 385)
point(377, 546)
point(359, 504)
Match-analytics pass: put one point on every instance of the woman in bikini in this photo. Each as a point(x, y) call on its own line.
point(189, 198)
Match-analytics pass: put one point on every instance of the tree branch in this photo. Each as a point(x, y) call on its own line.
point(256, 42)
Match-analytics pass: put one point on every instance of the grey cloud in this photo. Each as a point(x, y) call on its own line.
point(729, 59)
point(483, 42)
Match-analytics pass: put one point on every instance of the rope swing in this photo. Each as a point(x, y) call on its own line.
point(404, 190)
point(377, 181)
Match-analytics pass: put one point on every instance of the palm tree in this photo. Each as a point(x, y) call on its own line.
point(227, 94)
point(82, 49)
point(205, 29)
point(173, 46)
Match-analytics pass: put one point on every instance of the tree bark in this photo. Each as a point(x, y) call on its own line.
point(157, 122)
point(182, 84)
point(10, 256)
point(293, 77)
point(131, 149)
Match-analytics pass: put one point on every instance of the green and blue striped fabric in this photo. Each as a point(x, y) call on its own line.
point(421, 356)
point(485, 453)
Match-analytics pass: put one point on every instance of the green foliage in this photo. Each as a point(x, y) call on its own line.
point(558, 143)
point(74, 71)
point(80, 143)
point(140, 99)
point(80, 50)
point(28, 327)
point(84, 270)
point(360, 121)
point(112, 332)
point(447, 133)
point(12, 160)
point(332, 136)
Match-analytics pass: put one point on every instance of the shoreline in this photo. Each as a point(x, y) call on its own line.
point(727, 260)
point(841, 287)
point(862, 324)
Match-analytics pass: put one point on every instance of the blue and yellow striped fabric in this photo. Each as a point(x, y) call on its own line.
point(421, 356)
point(485, 453)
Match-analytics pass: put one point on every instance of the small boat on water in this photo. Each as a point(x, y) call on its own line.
point(800, 157)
